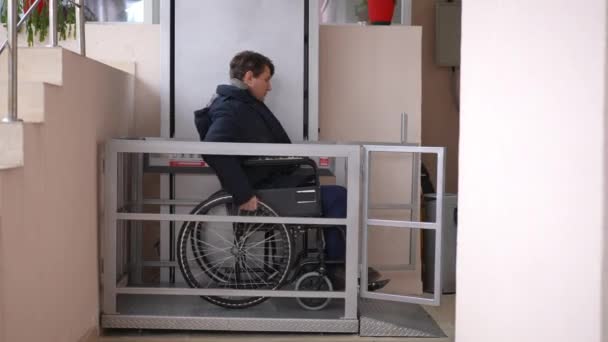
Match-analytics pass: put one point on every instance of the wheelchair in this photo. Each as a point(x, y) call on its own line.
point(262, 256)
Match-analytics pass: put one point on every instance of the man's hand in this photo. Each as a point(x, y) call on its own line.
point(251, 205)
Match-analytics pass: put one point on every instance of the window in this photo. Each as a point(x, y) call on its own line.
point(117, 10)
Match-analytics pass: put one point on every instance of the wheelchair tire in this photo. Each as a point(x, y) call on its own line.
point(226, 255)
point(313, 281)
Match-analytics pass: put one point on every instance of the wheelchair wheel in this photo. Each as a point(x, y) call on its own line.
point(313, 281)
point(226, 255)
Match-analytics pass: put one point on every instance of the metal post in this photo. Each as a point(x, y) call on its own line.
point(352, 234)
point(52, 23)
point(80, 21)
point(11, 18)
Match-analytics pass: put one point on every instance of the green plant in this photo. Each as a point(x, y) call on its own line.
point(361, 10)
point(38, 22)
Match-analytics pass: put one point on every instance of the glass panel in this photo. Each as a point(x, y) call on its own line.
point(116, 10)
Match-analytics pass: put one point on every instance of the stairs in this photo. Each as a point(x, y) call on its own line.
point(50, 205)
point(30, 102)
point(11, 145)
point(37, 69)
point(43, 75)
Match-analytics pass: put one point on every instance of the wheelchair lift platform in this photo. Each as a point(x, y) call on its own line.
point(376, 318)
point(129, 303)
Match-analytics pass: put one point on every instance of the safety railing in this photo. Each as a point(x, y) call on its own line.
point(11, 43)
point(117, 215)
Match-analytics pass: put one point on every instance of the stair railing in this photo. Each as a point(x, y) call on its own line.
point(11, 25)
point(11, 43)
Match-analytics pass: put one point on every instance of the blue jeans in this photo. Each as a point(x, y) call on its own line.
point(333, 198)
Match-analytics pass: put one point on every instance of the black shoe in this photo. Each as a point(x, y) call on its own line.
point(336, 275)
point(377, 285)
point(372, 274)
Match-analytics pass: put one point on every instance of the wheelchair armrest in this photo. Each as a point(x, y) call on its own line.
point(284, 161)
point(275, 161)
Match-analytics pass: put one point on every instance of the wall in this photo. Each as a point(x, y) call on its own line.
point(440, 117)
point(2, 275)
point(531, 214)
point(605, 230)
point(139, 45)
point(49, 218)
point(134, 43)
point(119, 44)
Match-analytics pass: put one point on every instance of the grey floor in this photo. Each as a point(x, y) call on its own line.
point(442, 315)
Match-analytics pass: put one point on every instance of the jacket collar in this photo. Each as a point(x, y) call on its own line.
point(235, 92)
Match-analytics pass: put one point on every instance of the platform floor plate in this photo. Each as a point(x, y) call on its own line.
point(383, 319)
point(194, 313)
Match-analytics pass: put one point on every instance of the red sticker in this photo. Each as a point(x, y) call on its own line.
point(181, 163)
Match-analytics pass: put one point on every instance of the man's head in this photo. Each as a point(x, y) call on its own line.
point(255, 70)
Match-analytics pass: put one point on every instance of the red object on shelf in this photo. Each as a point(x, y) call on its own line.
point(29, 3)
point(380, 11)
point(187, 163)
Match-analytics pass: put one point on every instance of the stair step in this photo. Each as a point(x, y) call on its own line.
point(11, 145)
point(30, 103)
point(35, 64)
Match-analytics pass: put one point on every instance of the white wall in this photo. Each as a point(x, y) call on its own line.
point(531, 171)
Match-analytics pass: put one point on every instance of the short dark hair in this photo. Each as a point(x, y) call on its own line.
point(249, 61)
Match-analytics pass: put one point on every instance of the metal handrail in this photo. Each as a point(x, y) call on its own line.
point(11, 23)
point(80, 20)
point(21, 21)
point(11, 42)
point(52, 23)
point(53, 32)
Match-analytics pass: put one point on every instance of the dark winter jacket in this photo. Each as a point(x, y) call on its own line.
point(234, 115)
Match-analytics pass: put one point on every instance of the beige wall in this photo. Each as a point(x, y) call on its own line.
point(120, 44)
point(133, 43)
point(605, 230)
point(49, 217)
point(368, 76)
point(440, 117)
point(2, 275)
point(139, 45)
point(532, 211)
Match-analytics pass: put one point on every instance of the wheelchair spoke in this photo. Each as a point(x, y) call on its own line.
point(260, 255)
point(268, 239)
point(211, 279)
point(193, 239)
point(255, 273)
point(199, 257)
point(268, 275)
point(250, 273)
point(257, 245)
point(233, 270)
point(196, 275)
point(218, 265)
point(222, 238)
point(242, 255)
point(248, 233)
point(263, 262)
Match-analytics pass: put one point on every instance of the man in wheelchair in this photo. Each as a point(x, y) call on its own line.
point(237, 113)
